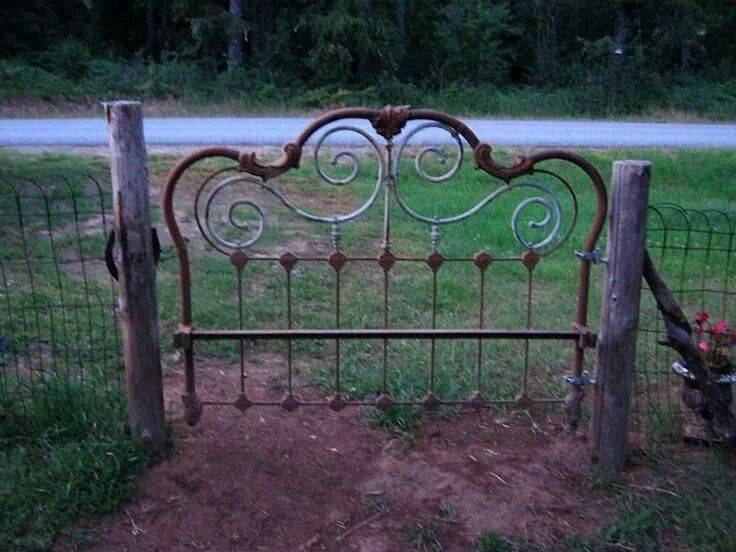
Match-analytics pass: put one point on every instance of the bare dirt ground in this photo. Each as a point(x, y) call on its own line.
point(316, 480)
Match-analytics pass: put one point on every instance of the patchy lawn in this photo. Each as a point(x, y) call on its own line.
point(319, 480)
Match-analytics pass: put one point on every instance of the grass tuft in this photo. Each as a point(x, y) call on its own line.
point(64, 453)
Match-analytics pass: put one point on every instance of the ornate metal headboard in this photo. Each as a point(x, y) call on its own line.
point(387, 123)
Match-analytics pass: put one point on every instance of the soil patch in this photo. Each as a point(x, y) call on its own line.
point(318, 480)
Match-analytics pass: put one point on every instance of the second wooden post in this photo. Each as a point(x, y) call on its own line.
point(136, 273)
point(620, 312)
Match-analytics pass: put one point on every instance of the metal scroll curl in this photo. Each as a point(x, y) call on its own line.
point(210, 218)
point(550, 223)
point(542, 233)
point(551, 229)
point(233, 219)
point(435, 151)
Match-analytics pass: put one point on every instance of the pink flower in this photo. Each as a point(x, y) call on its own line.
point(703, 346)
point(721, 328)
point(702, 317)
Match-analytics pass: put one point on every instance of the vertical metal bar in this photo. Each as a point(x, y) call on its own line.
point(391, 182)
point(707, 263)
point(31, 281)
point(12, 336)
point(384, 371)
point(386, 247)
point(685, 257)
point(337, 325)
point(289, 323)
point(82, 259)
point(524, 388)
point(727, 272)
point(55, 261)
point(657, 315)
point(481, 325)
point(239, 271)
point(52, 339)
point(434, 325)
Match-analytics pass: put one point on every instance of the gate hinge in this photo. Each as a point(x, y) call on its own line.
point(594, 256)
point(583, 381)
point(588, 338)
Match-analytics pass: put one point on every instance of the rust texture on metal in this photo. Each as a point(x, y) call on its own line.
point(391, 124)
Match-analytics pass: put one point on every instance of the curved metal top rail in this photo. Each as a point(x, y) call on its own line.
point(389, 122)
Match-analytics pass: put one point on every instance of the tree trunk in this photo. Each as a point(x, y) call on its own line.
point(153, 45)
point(264, 18)
point(685, 57)
point(362, 64)
point(235, 37)
point(621, 35)
point(546, 47)
point(401, 19)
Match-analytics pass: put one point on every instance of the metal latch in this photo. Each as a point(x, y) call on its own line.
point(110, 260)
point(583, 381)
point(594, 256)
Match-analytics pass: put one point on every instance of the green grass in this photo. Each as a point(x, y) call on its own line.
point(676, 174)
point(697, 516)
point(685, 506)
point(65, 453)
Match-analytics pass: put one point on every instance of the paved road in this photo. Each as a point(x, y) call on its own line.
point(277, 130)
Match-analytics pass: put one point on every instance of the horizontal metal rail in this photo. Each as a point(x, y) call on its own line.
point(182, 334)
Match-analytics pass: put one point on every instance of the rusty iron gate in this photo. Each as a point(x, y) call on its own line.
point(388, 123)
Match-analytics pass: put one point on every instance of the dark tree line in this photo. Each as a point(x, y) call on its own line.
point(431, 43)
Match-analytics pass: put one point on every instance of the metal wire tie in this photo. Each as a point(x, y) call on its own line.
point(594, 256)
point(583, 381)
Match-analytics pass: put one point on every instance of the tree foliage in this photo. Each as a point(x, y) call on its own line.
point(427, 44)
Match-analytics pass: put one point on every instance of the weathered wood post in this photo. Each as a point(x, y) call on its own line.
point(136, 272)
point(620, 313)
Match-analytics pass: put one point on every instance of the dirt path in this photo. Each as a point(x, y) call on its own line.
point(316, 480)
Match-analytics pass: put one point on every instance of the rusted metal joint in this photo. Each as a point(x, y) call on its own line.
point(588, 338)
point(192, 408)
point(183, 337)
point(594, 256)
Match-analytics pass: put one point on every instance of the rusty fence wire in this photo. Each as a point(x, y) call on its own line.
point(57, 299)
point(694, 250)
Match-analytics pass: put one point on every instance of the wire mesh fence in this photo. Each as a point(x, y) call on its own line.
point(57, 299)
point(694, 250)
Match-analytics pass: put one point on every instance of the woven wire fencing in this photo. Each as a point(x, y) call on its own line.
point(57, 300)
point(694, 251)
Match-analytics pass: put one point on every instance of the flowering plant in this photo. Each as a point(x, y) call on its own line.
point(716, 341)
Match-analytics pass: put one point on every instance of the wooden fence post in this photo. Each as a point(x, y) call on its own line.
point(136, 273)
point(620, 312)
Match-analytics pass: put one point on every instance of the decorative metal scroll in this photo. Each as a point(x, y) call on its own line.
point(388, 180)
point(540, 223)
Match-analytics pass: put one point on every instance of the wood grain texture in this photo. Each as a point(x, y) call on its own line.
point(620, 312)
point(137, 273)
